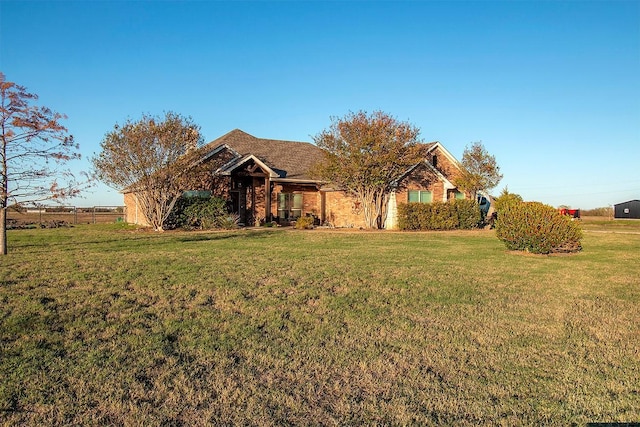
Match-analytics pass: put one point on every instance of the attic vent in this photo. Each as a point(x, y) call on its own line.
point(434, 161)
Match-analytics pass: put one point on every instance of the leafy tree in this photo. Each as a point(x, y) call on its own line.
point(33, 150)
point(366, 155)
point(479, 170)
point(148, 158)
point(506, 199)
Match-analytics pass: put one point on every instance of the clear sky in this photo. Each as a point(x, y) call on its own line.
point(551, 88)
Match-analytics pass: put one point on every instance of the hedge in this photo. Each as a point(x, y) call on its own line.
point(451, 215)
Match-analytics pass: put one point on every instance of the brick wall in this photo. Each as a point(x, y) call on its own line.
point(133, 213)
point(424, 178)
point(343, 210)
point(311, 198)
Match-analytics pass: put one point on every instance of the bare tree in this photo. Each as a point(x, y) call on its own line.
point(35, 146)
point(480, 171)
point(148, 157)
point(366, 155)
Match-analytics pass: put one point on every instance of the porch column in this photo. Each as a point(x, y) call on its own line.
point(267, 197)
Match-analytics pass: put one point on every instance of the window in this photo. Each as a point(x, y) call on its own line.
point(420, 196)
point(434, 161)
point(459, 195)
point(289, 205)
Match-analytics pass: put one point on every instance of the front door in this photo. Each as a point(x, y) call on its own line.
point(239, 203)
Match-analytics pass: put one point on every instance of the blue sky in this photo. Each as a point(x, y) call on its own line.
point(551, 88)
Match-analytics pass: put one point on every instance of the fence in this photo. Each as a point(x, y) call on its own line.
point(67, 214)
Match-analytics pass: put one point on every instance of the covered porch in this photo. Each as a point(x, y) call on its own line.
point(259, 195)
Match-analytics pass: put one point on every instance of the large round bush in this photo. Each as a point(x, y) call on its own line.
point(537, 228)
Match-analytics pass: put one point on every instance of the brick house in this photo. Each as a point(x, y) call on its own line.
point(240, 168)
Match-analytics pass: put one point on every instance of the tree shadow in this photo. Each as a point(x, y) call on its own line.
point(122, 243)
point(236, 234)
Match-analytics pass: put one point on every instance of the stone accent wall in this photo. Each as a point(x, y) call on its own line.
point(392, 213)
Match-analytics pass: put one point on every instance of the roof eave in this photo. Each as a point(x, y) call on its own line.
point(236, 163)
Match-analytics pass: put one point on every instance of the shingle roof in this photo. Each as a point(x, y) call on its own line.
point(290, 159)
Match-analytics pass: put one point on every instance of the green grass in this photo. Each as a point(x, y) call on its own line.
point(110, 325)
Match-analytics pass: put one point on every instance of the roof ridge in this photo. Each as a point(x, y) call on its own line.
point(288, 141)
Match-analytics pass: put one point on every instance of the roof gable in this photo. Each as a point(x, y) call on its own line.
point(438, 147)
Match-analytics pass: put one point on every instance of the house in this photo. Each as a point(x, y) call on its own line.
point(271, 180)
point(629, 210)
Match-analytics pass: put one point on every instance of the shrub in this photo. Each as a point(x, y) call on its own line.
point(451, 215)
point(407, 216)
point(505, 200)
point(537, 228)
point(229, 221)
point(468, 212)
point(304, 222)
point(198, 212)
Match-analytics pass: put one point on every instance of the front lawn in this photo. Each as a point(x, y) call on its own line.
point(104, 324)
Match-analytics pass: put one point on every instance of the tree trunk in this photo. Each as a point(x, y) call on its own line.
point(3, 230)
point(4, 196)
point(382, 205)
point(367, 199)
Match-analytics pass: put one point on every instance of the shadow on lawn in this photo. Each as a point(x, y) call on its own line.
point(120, 242)
point(237, 234)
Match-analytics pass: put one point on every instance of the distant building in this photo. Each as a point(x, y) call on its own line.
point(629, 210)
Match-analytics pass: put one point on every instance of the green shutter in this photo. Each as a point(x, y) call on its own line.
point(459, 195)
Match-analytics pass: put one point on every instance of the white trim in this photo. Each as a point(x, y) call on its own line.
point(297, 181)
point(445, 188)
point(213, 152)
point(446, 152)
point(228, 168)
